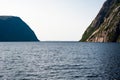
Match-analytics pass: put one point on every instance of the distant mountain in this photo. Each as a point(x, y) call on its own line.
point(12, 28)
point(106, 26)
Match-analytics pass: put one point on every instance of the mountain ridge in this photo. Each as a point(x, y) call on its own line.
point(13, 28)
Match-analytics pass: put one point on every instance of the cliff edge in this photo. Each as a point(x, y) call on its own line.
point(106, 26)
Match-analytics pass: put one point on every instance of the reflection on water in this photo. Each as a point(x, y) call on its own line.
point(59, 61)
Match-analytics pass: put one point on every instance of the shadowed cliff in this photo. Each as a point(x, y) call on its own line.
point(106, 26)
point(14, 29)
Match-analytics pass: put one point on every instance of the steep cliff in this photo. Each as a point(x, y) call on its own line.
point(106, 26)
point(14, 29)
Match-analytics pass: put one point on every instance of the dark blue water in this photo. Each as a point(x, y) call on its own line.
point(59, 61)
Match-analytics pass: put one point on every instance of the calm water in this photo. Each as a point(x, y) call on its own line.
point(59, 61)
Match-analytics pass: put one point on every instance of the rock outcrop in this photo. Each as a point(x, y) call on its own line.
point(14, 29)
point(106, 26)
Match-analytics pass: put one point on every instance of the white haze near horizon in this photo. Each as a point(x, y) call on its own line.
point(54, 20)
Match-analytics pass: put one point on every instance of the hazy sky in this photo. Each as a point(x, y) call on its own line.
point(63, 20)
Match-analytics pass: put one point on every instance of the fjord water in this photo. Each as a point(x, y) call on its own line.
point(59, 61)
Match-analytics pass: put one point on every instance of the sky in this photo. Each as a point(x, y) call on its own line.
point(54, 20)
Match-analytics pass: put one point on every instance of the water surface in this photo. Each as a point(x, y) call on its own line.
point(59, 61)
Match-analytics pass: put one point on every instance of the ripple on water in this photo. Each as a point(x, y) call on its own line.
point(59, 61)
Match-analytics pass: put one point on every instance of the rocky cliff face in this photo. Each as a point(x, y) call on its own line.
point(106, 26)
point(14, 29)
